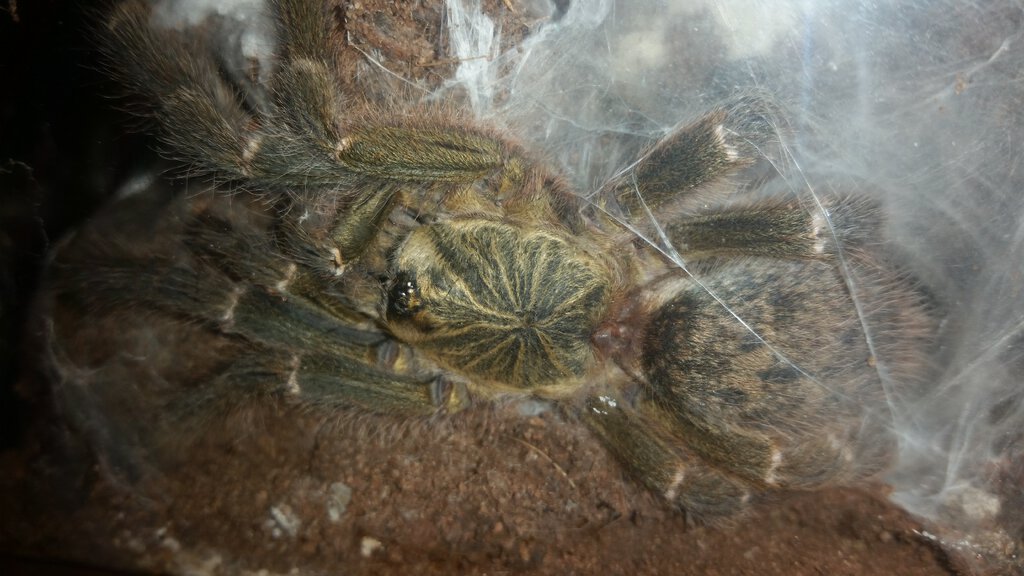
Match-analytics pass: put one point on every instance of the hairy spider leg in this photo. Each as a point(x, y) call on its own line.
point(304, 350)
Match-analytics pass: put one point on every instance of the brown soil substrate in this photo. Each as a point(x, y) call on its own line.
point(490, 492)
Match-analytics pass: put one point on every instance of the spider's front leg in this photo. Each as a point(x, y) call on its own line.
point(297, 337)
point(350, 181)
point(341, 160)
point(303, 132)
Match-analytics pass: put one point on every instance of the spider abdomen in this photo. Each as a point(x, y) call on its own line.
point(753, 396)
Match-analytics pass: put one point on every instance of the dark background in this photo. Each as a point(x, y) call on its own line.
point(63, 149)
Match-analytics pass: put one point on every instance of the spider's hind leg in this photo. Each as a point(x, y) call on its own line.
point(781, 229)
point(655, 459)
point(691, 158)
point(784, 229)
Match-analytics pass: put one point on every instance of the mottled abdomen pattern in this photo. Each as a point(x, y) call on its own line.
point(775, 380)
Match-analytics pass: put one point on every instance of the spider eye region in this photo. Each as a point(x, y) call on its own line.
point(500, 304)
point(404, 296)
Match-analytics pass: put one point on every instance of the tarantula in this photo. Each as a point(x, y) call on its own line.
point(408, 262)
